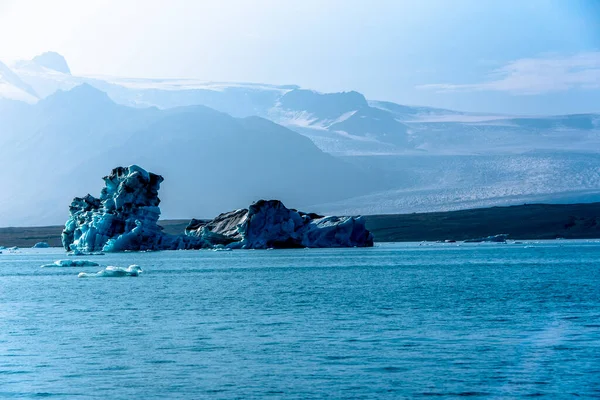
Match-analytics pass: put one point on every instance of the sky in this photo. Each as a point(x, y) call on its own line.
point(502, 56)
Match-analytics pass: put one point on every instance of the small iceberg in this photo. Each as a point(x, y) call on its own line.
point(114, 272)
point(79, 253)
point(72, 263)
point(41, 245)
point(500, 238)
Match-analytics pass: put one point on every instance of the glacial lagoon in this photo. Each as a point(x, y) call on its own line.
point(393, 321)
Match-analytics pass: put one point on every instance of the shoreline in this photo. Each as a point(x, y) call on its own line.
point(523, 222)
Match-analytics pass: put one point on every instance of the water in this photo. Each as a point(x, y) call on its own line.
point(398, 320)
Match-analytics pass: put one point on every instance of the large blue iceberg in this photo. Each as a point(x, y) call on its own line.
point(125, 217)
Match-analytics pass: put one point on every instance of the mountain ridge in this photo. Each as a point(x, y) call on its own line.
point(76, 135)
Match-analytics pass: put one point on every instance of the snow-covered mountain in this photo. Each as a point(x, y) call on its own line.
point(62, 146)
point(12, 87)
point(395, 158)
point(338, 123)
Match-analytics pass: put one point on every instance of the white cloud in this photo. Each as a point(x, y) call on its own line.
point(529, 76)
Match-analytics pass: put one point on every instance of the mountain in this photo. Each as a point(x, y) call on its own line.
point(342, 124)
point(61, 146)
point(395, 158)
point(13, 87)
point(53, 61)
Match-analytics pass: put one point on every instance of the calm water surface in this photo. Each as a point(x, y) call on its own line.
point(398, 320)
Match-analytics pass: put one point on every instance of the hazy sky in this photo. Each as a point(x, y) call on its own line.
point(534, 56)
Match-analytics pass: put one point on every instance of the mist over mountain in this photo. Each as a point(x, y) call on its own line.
point(13, 87)
point(211, 161)
point(222, 145)
point(52, 60)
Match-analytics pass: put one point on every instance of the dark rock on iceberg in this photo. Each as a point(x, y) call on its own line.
point(269, 224)
point(125, 217)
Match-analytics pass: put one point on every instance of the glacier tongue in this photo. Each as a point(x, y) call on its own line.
point(125, 217)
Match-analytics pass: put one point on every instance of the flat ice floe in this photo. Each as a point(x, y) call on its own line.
point(78, 253)
point(71, 263)
point(114, 272)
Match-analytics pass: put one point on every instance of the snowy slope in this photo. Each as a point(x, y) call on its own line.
point(13, 87)
point(443, 183)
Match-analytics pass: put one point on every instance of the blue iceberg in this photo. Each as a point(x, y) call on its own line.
point(125, 218)
point(269, 224)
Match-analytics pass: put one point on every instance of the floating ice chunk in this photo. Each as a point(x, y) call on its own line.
point(500, 238)
point(71, 263)
point(77, 253)
point(41, 245)
point(114, 272)
point(124, 217)
point(221, 249)
point(269, 224)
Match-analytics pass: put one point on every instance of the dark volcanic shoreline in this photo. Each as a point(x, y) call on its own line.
point(531, 221)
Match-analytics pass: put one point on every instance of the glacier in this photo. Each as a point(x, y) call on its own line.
point(125, 218)
point(476, 159)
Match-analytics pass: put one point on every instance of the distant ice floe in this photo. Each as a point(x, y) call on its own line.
point(11, 250)
point(114, 272)
point(499, 238)
point(71, 263)
point(41, 245)
point(79, 253)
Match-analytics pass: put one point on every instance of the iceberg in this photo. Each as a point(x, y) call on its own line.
point(71, 263)
point(125, 218)
point(500, 238)
point(269, 224)
point(78, 253)
point(114, 272)
point(41, 245)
